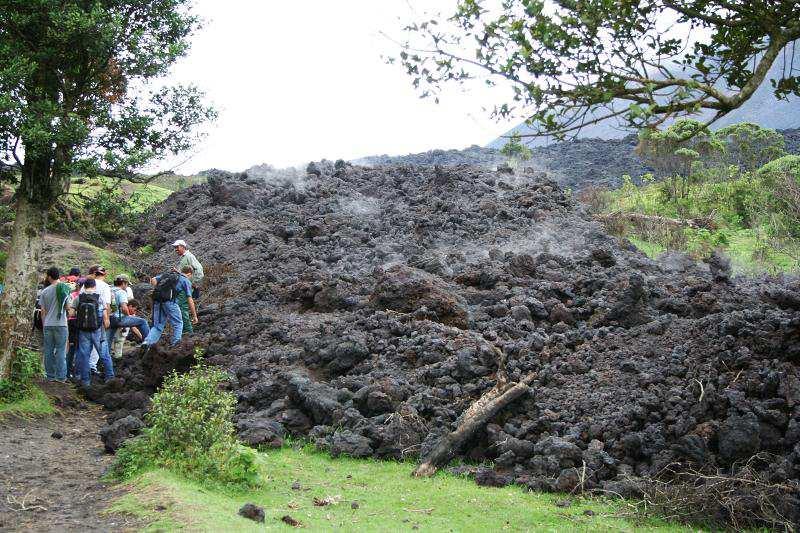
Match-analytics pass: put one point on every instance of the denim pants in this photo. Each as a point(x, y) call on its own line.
point(129, 322)
point(162, 313)
point(54, 346)
point(86, 341)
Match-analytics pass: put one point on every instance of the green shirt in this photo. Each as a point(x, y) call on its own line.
point(188, 258)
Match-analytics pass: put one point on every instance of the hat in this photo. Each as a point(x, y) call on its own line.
point(122, 277)
point(179, 242)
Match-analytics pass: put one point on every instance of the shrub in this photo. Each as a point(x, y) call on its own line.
point(788, 165)
point(27, 366)
point(782, 194)
point(749, 146)
point(146, 250)
point(190, 431)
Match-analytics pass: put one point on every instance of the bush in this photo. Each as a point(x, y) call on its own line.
point(782, 194)
point(24, 370)
point(786, 166)
point(190, 431)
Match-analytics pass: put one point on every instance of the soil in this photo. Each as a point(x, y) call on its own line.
point(54, 484)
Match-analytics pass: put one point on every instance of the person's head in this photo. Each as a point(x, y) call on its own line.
point(89, 285)
point(97, 272)
point(133, 305)
point(187, 271)
point(79, 284)
point(75, 271)
point(180, 246)
point(122, 281)
point(52, 275)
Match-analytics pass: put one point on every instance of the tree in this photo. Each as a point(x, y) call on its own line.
point(639, 62)
point(78, 95)
point(750, 146)
point(672, 151)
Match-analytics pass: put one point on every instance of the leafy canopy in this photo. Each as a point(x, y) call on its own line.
point(639, 62)
point(74, 96)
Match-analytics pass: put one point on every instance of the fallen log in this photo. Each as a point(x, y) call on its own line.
point(639, 218)
point(474, 418)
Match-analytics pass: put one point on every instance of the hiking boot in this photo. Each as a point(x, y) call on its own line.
point(144, 348)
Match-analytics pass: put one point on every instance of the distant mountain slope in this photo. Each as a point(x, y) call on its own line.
point(573, 164)
point(762, 108)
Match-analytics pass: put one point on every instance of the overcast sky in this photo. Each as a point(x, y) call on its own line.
point(303, 80)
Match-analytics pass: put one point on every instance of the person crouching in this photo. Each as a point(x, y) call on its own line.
point(166, 309)
point(122, 317)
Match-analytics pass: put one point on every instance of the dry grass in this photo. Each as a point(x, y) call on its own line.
point(744, 500)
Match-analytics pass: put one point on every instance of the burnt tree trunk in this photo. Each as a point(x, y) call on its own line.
point(473, 419)
point(22, 273)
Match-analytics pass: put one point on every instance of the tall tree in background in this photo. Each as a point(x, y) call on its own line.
point(573, 63)
point(74, 98)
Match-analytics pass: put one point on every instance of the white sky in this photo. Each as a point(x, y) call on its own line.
point(304, 80)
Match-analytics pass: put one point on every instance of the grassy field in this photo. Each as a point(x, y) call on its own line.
point(366, 495)
point(141, 195)
point(34, 405)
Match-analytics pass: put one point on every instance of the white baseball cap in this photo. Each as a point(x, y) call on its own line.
point(179, 242)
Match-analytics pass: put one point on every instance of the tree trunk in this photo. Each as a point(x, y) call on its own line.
point(473, 419)
point(22, 276)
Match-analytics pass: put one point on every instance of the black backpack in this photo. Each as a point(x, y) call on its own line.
point(166, 287)
point(88, 311)
point(38, 318)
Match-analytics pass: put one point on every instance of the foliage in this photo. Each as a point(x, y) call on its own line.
point(389, 499)
point(515, 150)
point(786, 166)
point(750, 146)
point(146, 250)
point(27, 366)
point(74, 87)
point(575, 63)
point(34, 403)
point(190, 431)
point(748, 226)
point(782, 178)
point(109, 212)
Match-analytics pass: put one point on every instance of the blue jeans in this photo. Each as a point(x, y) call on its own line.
point(128, 322)
point(54, 346)
point(86, 341)
point(162, 313)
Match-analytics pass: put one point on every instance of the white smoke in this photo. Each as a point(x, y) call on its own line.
point(294, 176)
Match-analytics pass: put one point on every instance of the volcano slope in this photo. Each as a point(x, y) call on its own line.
point(361, 307)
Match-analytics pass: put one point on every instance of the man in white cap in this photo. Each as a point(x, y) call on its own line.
point(188, 259)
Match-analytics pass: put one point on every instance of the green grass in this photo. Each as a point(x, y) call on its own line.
point(742, 221)
point(389, 499)
point(142, 196)
point(34, 405)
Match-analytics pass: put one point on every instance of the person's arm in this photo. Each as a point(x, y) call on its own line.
point(192, 309)
point(137, 333)
point(106, 319)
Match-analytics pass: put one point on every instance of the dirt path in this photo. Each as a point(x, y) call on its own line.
point(53, 484)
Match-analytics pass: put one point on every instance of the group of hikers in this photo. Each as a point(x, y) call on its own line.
point(85, 321)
